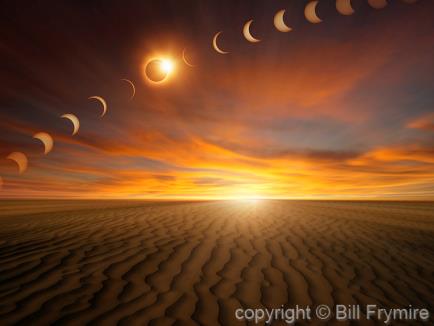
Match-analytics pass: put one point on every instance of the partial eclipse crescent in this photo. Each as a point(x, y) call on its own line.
point(20, 159)
point(133, 88)
point(185, 59)
point(46, 139)
point(102, 101)
point(377, 4)
point(75, 122)
point(310, 12)
point(215, 46)
point(246, 32)
point(279, 23)
point(344, 7)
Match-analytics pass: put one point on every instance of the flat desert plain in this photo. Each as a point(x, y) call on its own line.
point(186, 263)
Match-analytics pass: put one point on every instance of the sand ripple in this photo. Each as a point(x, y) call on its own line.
point(195, 263)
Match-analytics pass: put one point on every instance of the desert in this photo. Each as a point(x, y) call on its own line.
point(164, 263)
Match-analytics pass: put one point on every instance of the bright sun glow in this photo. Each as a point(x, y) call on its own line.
point(167, 66)
point(246, 193)
point(249, 200)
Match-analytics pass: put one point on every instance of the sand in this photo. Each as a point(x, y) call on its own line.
point(139, 263)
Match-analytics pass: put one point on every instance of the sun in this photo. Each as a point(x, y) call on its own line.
point(158, 70)
point(167, 65)
point(247, 193)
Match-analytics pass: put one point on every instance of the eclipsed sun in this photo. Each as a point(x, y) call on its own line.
point(158, 70)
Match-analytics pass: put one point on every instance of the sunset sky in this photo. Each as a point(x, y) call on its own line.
point(342, 109)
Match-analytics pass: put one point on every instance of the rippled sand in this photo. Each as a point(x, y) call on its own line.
point(185, 263)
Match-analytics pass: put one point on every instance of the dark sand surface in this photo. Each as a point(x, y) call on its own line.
point(140, 263)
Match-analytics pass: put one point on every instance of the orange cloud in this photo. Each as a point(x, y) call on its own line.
point(195, 168)
point(423, 123)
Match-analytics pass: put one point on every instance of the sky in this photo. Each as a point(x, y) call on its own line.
point(343, 109)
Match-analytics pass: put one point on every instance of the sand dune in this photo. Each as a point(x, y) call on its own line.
point(135, 263)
